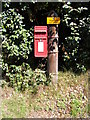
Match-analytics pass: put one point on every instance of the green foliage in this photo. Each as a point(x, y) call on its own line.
point(75, 107)
point(16, 40)
point(76, 21)
point(22, 77)
point(16, 48)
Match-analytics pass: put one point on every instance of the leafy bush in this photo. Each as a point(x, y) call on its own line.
point(22, 77)
point(16, 48)
point(16, 40)
point(76, 23)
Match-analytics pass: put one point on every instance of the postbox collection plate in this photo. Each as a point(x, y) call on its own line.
point(40, 41)
point(53, 20)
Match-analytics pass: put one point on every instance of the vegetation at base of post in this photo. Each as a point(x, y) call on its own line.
point(17, 23)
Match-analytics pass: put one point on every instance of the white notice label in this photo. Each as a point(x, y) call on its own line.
point(40, 47)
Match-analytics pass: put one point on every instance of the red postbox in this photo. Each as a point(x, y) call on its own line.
point(40, 41)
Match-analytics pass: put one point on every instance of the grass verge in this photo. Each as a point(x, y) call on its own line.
point(68, 99)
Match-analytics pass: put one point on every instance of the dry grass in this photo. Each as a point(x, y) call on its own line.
point(68, 99)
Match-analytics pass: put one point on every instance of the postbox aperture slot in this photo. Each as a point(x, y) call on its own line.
point(40, 33)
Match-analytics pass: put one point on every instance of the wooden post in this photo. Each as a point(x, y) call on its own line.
point(52, 67)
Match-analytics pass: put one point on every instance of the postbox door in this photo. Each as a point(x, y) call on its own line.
point(40, 48)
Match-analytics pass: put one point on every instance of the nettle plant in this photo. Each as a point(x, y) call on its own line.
point(76, 21)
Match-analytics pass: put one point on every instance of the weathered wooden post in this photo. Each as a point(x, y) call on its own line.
point(52, 21)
